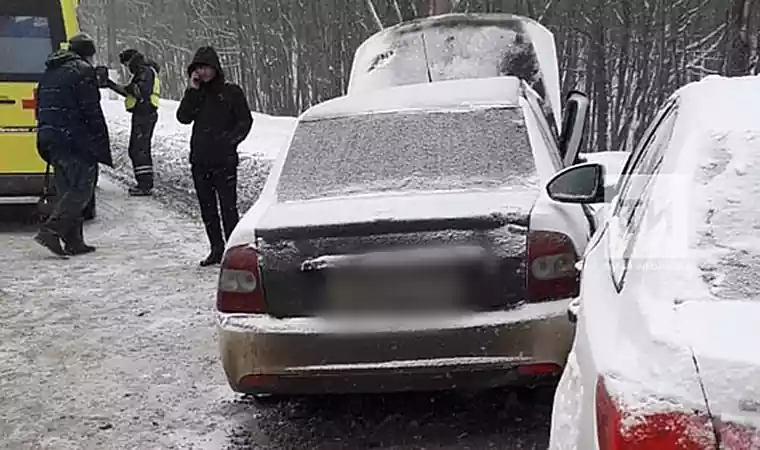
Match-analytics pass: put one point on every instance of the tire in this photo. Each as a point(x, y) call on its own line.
point(90, 211)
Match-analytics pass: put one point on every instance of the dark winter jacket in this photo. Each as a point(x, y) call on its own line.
point(68, 109)
point(219, 113)
point(144, 73)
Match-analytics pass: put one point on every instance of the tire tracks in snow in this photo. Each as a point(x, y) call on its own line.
point(113, 350)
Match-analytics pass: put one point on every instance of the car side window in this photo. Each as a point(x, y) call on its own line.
point(635, 192)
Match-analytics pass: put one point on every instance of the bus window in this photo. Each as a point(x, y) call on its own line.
point(30, 30)
point(25, 43)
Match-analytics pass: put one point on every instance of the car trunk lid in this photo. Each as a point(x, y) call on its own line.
point(390, 253)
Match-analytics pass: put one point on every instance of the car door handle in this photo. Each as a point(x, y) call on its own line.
point(7, 101)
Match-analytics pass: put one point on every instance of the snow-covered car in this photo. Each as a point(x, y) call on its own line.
point(665, 353)
point(404, 241)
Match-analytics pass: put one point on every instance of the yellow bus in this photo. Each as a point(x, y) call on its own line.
point(29, 31)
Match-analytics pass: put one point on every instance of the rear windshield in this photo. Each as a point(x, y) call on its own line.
point(407, 151)
point(25, 43)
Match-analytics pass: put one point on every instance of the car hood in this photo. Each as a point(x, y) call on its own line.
point(511, 205)
point(724, 336)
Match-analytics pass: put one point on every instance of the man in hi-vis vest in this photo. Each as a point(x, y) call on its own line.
point(141, 100)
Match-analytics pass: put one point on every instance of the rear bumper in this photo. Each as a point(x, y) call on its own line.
point(261, 354)
point(21, 185)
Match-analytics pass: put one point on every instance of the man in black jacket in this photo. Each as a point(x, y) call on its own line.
point(73, 138)
point(141, 100)
point(221, 120)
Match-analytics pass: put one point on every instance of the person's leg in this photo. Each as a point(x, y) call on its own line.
point(74, 180)
point(74, 239)
point(204, 189)
point(225, 181)
point(139, 151)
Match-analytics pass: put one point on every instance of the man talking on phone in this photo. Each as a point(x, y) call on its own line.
point(221, 120)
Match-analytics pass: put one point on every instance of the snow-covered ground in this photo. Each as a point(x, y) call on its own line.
point(171, 148)
point(117, 351)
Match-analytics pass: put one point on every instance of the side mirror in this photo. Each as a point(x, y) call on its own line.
point(573, 126)
point(582, 183)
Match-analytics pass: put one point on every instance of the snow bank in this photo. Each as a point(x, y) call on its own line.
point(171, 147)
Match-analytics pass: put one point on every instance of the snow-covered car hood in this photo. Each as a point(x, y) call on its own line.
point(509, 202)
point(723, 336)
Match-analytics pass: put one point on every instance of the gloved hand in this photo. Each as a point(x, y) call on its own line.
point(102, 75)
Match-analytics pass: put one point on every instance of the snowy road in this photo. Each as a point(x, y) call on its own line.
point(116, 350)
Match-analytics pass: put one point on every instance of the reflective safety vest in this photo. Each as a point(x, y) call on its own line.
point(130, 101)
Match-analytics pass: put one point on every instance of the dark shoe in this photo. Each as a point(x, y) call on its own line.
point(214, 258)
point(50, 241)
point(74, 241)
point(140, 192)
point(81, 250)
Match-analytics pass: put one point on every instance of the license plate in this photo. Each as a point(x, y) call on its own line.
point(384, 290)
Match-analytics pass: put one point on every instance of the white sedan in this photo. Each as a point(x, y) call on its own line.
point(666, 347)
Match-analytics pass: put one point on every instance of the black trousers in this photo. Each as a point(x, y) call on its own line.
point(216, 188)
point(141, 135)
point(75, 180)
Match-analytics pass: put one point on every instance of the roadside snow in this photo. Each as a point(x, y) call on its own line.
point(171, 147)
point(113, 350)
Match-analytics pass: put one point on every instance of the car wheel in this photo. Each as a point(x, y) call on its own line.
point(90, 210)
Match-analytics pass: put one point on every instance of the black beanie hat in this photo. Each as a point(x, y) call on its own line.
point(83, 45)
point(126, 55)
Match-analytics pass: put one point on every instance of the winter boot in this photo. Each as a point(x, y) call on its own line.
point(50, 240)
point(140, 192)
point(214, 258)
point(74, 241)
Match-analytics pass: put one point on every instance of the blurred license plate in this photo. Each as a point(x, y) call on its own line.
point(394, 291)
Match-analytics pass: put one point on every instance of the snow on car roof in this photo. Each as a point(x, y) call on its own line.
point(442, 95)
point(720, 127)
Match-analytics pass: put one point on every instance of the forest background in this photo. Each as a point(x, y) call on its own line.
point(627, 55)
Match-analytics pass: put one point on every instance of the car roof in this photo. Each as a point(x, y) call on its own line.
point(715, 183)
point(495, 91)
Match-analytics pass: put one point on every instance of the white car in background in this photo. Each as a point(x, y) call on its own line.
point(666, 349)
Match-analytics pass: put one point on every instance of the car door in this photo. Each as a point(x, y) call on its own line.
point(548, 215)
point(604, 271)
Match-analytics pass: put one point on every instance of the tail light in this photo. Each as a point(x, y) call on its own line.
point(551, 267)
point(656, 431)
point(240, 288)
